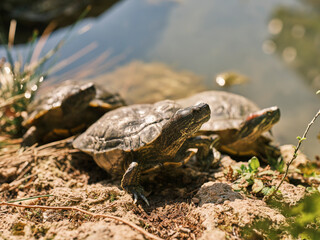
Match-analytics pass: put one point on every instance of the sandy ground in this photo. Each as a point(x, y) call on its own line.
point(185, 203)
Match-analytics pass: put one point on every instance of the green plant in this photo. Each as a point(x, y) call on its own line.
point(252, 180)
point(302, 221)
point(17, 90)
point(20, 79)
point(277, 164)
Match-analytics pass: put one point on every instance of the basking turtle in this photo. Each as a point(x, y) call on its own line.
point(241, 126)
point(67, 110)
point(143, 137)
point(103, 102)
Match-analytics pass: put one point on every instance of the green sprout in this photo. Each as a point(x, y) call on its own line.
point(253, 179)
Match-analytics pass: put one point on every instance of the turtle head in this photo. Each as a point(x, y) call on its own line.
point(182, 125)
point(189, 120)
point(78, 97)
point(259, 122)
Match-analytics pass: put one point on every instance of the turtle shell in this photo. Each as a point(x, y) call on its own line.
point(228, 110)
point(121, 132)
point(66, 110)
point(241, 126)
point(105, 101)
point(58, 108)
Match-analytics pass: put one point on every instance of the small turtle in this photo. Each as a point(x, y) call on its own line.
point(241, 126)
point(140, 138)
point(103, 102)
point(67, 110)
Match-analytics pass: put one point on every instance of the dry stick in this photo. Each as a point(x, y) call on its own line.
point(55, 143)
point(295, 154)
point(134, 226)
point(24, 170)
point(12, 32)
point(28, 167)
point(16, 183)
point(79, 54)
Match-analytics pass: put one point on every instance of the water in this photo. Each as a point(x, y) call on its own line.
point(210, 37)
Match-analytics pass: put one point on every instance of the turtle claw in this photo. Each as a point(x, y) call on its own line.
point(144, 199)
point(211, 160)
point(137, 192)
point(130, 182)
point(135, 198)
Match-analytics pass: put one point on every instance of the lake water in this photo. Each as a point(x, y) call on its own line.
point(276, 43)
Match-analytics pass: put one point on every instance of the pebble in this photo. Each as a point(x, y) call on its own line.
point(195, 200)
point(219, 201)
point(185, 230)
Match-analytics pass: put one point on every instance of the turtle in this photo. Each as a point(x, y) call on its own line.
point(140, 138)
point(242, 128)
point(66, 110)
point(104, 101)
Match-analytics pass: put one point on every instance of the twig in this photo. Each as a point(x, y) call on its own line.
point(134, 226)
point(79, 54)
point(43, 39)
point(25, 169)
point(65, 141)
point(16, 183)
point(295, 154)
point(29, 198)
point(12, 32)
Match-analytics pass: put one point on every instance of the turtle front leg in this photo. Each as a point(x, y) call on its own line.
point(32, 136)
point(130, 182)
point(206, 148)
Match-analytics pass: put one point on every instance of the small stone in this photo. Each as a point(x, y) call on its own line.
point(195, 200)
point(4, 186)
point(219, 200)
point(21, 194)
point(185, 230)
point(176, 235)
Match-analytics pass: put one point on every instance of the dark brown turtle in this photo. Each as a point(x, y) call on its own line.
point(66, 110)
point(139, 138)
point(104, 101)
point(243, 128)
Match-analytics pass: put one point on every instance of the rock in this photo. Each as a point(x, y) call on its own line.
point(250, 209)
point(291, 194)
point(140, 82)
point(287, 153)
point(215, 234)
point(220, 207)
point(215, 192)
point(195, 200)
point(98, 230)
